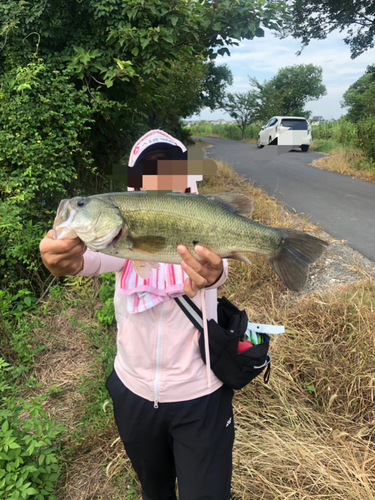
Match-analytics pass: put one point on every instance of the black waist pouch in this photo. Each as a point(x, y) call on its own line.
point(235, 369)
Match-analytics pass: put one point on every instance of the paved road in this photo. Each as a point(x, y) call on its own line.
point(342, 206)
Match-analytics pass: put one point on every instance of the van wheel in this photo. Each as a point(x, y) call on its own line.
point(273, 142)
point(259, 144)
point(304, 148)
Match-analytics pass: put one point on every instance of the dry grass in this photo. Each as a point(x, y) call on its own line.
point(344, 162)
point(308, 434)
point(67, 357)
point(311, 432)
point(100, 471)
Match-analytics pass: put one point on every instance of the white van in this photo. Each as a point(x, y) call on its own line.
point(294, 131)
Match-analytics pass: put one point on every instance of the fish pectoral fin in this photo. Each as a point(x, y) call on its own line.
point(238, 256)
point(143, 267)
point(237, 203)
point(148, 245)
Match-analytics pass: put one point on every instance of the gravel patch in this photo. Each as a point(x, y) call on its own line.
point(339, 265)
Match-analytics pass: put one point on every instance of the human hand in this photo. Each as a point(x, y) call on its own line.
point(62, 257)
point(201, 274)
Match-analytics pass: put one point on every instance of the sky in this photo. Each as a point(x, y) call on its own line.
point(263, 57)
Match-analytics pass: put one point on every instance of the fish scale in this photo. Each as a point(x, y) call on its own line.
point(188, 218)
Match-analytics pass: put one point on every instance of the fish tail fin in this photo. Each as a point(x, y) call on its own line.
point(298, 251)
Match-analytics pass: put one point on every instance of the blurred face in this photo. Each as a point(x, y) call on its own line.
point(164, 182)
point(169, 182)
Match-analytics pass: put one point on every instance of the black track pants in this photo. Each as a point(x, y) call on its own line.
point(190, 440)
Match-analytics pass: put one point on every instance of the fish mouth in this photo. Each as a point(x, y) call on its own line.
point(62, 225)
point(63, 219)
point(116, 239)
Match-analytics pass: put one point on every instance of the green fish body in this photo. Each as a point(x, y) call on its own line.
point(144, 227)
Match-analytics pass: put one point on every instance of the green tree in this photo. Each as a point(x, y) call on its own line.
point(360, 97)
point(213, 87)
point(288, 92)
point(314, 19)
point(241, 107)
point(182, 90)
point(113, 48)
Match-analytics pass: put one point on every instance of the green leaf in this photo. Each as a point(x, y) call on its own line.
point(14, 446)
point(145, 42)
point(32, 491)
point(168, 39)
point(223, 51)
point(135, 51)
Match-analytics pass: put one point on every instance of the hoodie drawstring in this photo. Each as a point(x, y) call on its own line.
point(206, 344)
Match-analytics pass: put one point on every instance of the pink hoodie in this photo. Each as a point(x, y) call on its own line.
point(158, 356)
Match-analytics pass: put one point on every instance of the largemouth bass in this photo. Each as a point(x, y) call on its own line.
point(143, 227)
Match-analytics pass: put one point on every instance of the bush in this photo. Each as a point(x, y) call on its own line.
point(342, 132)
point(43, 119)
point(28, 445)
point(365, 138)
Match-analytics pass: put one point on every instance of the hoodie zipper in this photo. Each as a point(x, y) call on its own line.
point(159, 341)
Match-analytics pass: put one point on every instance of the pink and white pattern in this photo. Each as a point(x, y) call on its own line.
point(164, 283)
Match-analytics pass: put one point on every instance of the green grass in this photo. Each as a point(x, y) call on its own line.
point(324, 145)
point(225, 131)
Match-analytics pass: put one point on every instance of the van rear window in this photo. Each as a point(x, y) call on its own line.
point(294, 124)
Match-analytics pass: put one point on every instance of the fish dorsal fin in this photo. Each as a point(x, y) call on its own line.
point(143, 267)
point(148, 245)
point(237, 203)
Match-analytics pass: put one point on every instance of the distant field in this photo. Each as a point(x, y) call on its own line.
point(225, 131)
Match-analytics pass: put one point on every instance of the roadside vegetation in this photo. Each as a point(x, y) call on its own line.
point(350, 146)
point(309, 433)
point(225, 131)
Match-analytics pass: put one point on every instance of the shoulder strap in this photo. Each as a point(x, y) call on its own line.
point(191, 310)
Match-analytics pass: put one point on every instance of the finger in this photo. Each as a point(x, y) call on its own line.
point(189, 288)
point(198, 281)
point(213, 258)
point(64, 246)
point(192, 262)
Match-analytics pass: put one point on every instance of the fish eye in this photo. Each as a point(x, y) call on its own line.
point(81, 203)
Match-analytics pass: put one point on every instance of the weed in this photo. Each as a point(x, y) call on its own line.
point(324, 145)
point(28, 445)
point(310, 388)
point(225, 131)
point(106, 315)
point(103, 341)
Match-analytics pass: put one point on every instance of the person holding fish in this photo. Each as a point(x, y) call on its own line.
point(174, 418)
point(174, 415)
